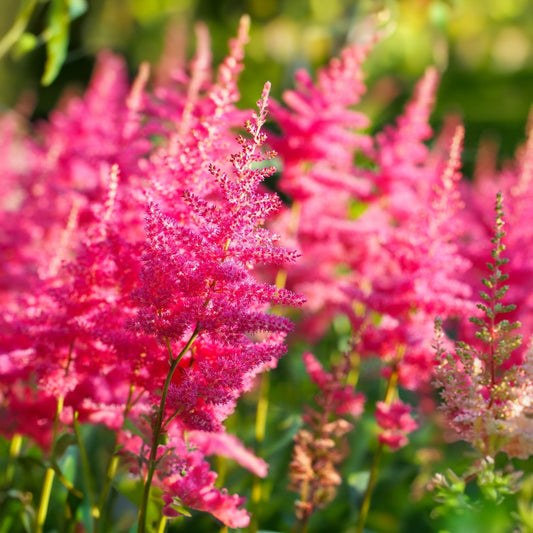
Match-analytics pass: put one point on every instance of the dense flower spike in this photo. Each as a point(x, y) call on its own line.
point(396, 422)
point(320, 447)
point(380, 238)
point(486, 396)
point(198, 277)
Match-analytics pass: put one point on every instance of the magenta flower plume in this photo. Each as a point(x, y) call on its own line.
point(198, 277)
point(321, 138)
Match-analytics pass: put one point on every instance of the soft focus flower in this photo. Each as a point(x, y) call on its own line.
point(396, 422)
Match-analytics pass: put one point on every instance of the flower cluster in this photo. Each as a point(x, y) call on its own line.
point(487, 397)
point(321, 446)
point(137, 245)
point(108, 313)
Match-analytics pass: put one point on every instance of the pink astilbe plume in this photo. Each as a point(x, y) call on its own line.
point(383, 236)
point(72, 266)
point(417, 276)
point(198, 277)
point(395, 422)
point(486, 394)
point(320, 139)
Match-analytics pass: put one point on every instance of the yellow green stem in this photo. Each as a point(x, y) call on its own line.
point(95, 511)
point(45, 499)
point(17, 30)
point(157, 430)
point(374, 468)
point(14, 450)
point(162, 525)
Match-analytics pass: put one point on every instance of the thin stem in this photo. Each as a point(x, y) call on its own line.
point(110, 474)
point(112, 466)
point(14, 450)
point(162, 525)
point(157, 430)
point(95, 511)
point(374, 468)
point(45, 499)
point(20, 24)
point(260, 429)
point(49, 475)
point(365, 506)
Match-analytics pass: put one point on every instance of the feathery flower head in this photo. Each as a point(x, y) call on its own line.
point(486, 394)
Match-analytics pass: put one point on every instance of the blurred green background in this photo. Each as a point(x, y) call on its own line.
point(483, 49)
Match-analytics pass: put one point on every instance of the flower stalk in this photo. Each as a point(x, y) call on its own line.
point(157, 430)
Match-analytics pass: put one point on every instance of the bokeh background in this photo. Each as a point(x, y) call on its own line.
point(483, 48)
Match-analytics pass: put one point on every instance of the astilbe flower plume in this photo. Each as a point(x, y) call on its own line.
point(72, 259)
point(379, 238)
point(486, 396)
point(199, 296)
point(198, 277)
point(321, 136)
point(321, 446)
point(515, 182)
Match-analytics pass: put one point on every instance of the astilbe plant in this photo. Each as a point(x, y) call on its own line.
point(321, 446)
point(199, 298)
point(486, 395)
point(154, 332)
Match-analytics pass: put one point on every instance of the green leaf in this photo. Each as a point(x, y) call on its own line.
point(62, 443)
point(359, 480)
point(76, 8)
point(56, 36)
point(130, 426)
point(26, 43)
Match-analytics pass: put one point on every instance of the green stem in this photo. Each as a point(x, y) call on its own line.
point(260, 428)
point(157, 430)
point(14, 450)
point(95, 511)
point(112, 466)
point(45, 499)
point(16, 31)
point(365, 506)
point(49, 475)
point(374, 468)
point(162, 525)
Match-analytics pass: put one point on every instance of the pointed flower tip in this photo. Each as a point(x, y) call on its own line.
point(244, 28)
point(266, 91)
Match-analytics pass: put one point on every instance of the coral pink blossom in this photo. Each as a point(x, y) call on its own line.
point(396, 422)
